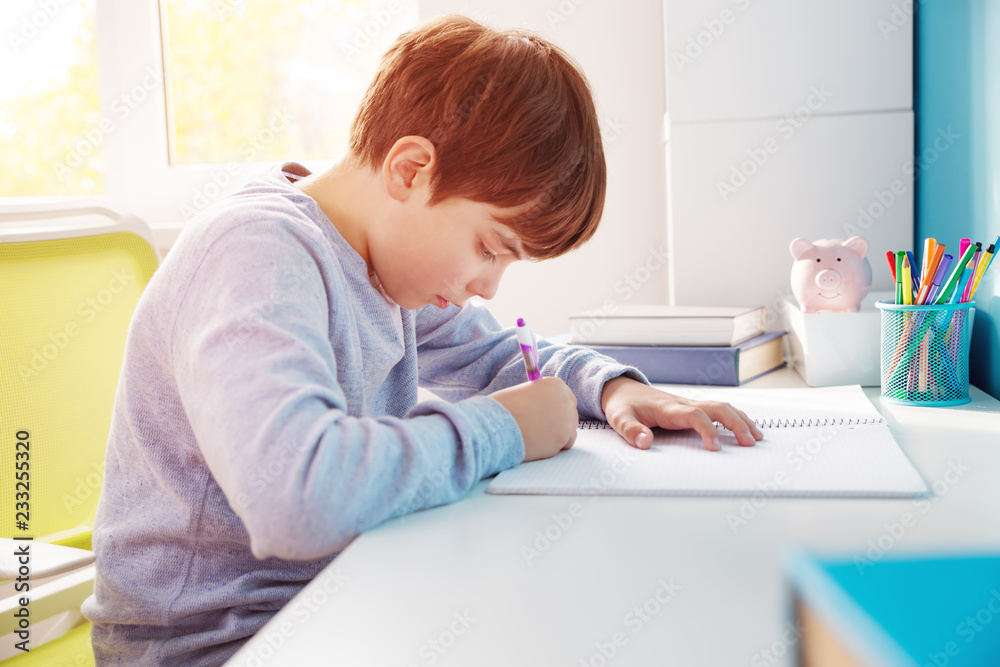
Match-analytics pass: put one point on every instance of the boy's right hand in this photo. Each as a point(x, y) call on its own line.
point(545, 409)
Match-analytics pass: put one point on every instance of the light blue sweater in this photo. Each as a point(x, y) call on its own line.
point(266, 415)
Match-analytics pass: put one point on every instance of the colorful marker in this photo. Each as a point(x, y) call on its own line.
point(971, 268)
point(964, 283)
point(987, 260)
point(949, 285)
point(890, 257)
point(962, 245)
point(929, 245)
point(906, 283)
point(939, 274)
point(930, 273)
point(900, 256)
point(914, 278)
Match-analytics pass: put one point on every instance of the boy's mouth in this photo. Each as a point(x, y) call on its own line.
point(442, 303)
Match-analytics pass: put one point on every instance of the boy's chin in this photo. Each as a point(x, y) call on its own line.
point(415, 302)
point(437, 302)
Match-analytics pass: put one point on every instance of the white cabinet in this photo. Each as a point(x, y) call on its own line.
point(784, 118)
point(736, 59)
point(737, 205)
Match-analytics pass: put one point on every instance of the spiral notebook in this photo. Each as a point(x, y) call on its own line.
point(824, 441)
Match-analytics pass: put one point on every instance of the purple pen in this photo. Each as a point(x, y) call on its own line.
point(529, 350)
point(939, 275)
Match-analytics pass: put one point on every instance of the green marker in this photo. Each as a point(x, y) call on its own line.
point(900, 254)
point(956, 273)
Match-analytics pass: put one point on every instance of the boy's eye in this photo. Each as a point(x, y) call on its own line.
point(487, 254)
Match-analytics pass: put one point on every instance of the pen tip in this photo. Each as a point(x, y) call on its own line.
point(520, 321)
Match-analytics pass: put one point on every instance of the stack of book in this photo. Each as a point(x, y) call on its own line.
point(684, 344)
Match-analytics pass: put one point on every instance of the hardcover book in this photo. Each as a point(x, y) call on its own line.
point(706, 365)
point(668, 325)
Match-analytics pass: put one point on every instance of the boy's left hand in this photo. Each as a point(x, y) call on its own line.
point(632, 407)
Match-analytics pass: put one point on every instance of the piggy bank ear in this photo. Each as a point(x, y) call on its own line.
point(799, 247)
point(858, 244)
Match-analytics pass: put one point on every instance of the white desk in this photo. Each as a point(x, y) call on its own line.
point(455, 575)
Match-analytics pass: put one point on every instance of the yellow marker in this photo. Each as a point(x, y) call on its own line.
point(907, 283)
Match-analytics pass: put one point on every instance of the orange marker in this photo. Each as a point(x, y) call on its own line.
point(929, 245)
point(932, 266)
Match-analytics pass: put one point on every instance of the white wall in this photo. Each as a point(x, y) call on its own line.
point(619, 47)
point(786, 119)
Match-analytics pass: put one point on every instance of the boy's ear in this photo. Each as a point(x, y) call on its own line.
point(408, 167)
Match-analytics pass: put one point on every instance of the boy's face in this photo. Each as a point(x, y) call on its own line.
point(443, 253)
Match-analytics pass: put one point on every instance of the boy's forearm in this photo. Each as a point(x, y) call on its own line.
point(364, 471)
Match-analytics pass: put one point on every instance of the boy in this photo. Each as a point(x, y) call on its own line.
point(266, 412)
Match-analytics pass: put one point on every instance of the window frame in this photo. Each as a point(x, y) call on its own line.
point(139, 175)
point(134, 132)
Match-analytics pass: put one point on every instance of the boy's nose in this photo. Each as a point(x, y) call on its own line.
point(486, 292)
point(486, 286)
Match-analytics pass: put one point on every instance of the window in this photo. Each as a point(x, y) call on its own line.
point(49, 100)
point(175, 103)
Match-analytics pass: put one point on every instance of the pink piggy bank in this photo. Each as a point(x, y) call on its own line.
point(830, 274)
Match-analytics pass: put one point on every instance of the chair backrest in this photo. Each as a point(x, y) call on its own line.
point(70, 277)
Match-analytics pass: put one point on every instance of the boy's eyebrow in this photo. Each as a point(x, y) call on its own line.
point(510, 244)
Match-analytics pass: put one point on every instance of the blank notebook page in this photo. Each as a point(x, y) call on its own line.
point(828, 441)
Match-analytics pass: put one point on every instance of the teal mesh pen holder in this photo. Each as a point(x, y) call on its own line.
point(925, 353)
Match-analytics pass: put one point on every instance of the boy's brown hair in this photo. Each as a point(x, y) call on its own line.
point(511, 118)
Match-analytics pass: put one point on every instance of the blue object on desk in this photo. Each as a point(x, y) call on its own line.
point(683, 364)
point(907, 611)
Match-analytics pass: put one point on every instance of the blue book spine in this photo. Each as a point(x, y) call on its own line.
point(683, 364)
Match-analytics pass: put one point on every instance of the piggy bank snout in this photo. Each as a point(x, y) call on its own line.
point(828, 279)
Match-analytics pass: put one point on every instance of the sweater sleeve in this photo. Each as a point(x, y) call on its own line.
point(257, 376)
point(464, 352)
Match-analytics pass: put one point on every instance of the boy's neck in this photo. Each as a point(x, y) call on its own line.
point(345, 193)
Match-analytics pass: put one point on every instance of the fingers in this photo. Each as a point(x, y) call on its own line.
point(757, 433)
point(746, 432)
point(637, 434)
point(700, 416)
point(675, 416)
point(700, 422)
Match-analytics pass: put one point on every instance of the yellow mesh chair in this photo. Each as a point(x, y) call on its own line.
point(70, 276)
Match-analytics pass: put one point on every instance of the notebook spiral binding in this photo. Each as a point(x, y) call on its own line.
point(766, 423)
point(826, 421)
point(592, 423)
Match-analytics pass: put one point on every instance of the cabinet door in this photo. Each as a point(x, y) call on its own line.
point(740, 59)
point(741, 191)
